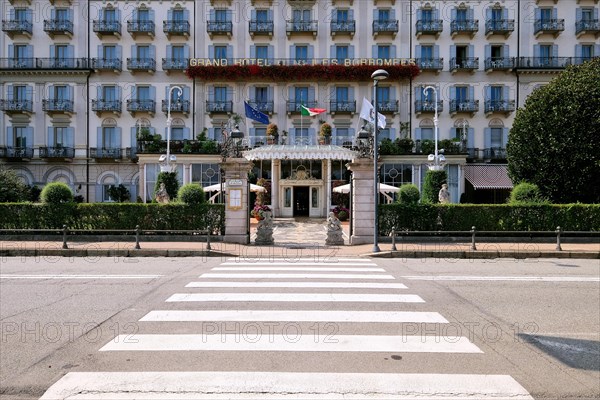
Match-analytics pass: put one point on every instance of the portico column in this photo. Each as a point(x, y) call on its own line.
point(363, 209)
point(237, 213)
point(328, 189)
point(275, 168)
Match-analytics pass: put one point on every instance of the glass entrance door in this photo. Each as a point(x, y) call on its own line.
point(301, 201)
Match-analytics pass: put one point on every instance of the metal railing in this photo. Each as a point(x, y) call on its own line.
point(176, 27)
point(469, 25)
point(182, 106)
point(57, 152)
point(499, 63)
point(17, 26)
point(292, 106)
point(342, 106)
point(260, 27)
point(44, 63)
point(385, 25)
point(106, 153)
point(140, 27)
point(425, 106)
point(137, 105)
point(347, 26)
point(175, 63)
point(587, 25)
point(301, 26)
point(466, 63)
point(56, 105)
point(430, 64)
point(263, 106)
point(430, 26)
point(16, 105)
point(548, 25)
point(219, 106)
point(58, 26)
point(219, 27)
point(146, 64)
point(464, 106)
point(111, 64)
point(499, 26)
point(106, 105)
point(499, 106)
point(16, 152)
point(106, 27)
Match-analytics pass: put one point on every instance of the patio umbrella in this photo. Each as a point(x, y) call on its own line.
point(217, 188)
point(383, 188)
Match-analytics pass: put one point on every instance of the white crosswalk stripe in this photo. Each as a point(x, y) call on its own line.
point(298, 297)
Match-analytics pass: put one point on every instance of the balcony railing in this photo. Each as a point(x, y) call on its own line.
point(219, 106)
point(342, 106)
point(301, 27)
point(263, 106)
point(58, 27)
point(344, 141)
point(385, 26)
point(425, 106)
point(499, 64)
point(106, 153)
point(430, 64)
point(343, 27)
point(54, 105)
point(260, 27)
point(495, 153)
point(430, 27)
point(141, 64)
point(219, 27)
point(587, 26)
point(293, 106)
point(169, 64)
point(177, 147)
point(470, 26)
point(546, 62)
point(106, 106)
point(106, 27)
point(107, 64)
point(144, 27)
point(16, 152)
point(17, 106)
point(57, 152)
point(499, 26)
point(464, 64)
point(17, 27)
point(469, 106)
point(138, 105)
point(502, 106)
point(387, 107)
point(44, 63)
point(176, 28)
point(131, 153)
point(553, 26)
point(179, 106)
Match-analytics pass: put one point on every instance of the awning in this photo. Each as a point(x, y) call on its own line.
point(488, 176)
point(383, 188)
point(217, 187)
point(300, 152)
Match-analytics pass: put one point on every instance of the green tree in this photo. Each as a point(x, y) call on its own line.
point(555, 142)
point(432, 185)
point(170, 181)
point(191, 193)
point(409, 194)
point(120, 193)
point(526, 192)
point(12, 189)
point(56, 193)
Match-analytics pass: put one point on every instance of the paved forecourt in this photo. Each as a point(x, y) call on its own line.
point(302, 330)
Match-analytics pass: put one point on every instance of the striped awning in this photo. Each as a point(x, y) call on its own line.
point(488, 176)
point(300, 152)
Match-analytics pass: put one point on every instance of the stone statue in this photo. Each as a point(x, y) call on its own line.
point(444, 195)
point(161, 195)
point(264, 230)
point(334, 231)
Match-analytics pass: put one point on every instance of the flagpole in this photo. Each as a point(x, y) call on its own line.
point(301, 114)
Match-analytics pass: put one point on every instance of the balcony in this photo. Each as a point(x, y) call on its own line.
point(106, 153)
point(430, 27)
point(175, 64)
point(548, 26)
point(499, 27)
point(388, 107)
point(99, 106)
point(499, 106)
point(16, 106)
point(220, 107)
point(343, 27)
point(464, 106)
point(104, 64)
point(219, 28)
point(385, 26)
point(292, 27)
point(54, 106)
point(18, 153)
point(498, 64)
point(179, 106)
point(494, 153)
point(144, 28)
point(141, 65)
point(545, 63)
point(44, 64)
point(137, 105)
point(468, 27)
point(591, 26)
point(430, 64)
point(347, 107)
point(260, 28)
point(17, 27)
point(425, 106)
point(57, 152)
point(293, 106)
point(107, 28)
point(176, 28)
point(56, 27)
point(469, 64)
point(131, 154)
point(266, 107)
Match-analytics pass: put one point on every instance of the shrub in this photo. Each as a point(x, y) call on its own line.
point(191, 193)
point(12, 189)
point(120, 193)
point(56, 193)
point(409, 194)
point(432, 185)
point(526, 192)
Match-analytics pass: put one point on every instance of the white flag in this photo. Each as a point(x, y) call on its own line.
point(367, 112)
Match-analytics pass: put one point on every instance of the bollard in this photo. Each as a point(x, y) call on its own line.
point(558, 231)
point(137, 237)
point(394, 238)
point(65, 237)
point(208, 240)
point(473, 247)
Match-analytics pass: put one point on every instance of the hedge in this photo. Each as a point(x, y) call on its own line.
point(92, 216)
point(496, 217)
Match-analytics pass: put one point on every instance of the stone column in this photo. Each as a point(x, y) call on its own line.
point(363, 209)
point(236, 171)
point(327, 188)
point(275, 167)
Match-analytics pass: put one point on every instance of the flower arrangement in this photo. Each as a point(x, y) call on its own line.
point(341, 212)
point(259, 210)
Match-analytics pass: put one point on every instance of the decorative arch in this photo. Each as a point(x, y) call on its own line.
point(59, 174)
point(108, 178)
point(109, 122)
point(496, 123)
point(426, 123)
point(461, 122)
point(24, 175)
point(178, 123)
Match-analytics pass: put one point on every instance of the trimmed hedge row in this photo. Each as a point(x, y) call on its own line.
point(113, 216)
point(496, 217)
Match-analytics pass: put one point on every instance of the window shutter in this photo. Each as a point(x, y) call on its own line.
point(51, 92)
point(597, 50)
point(186, 133)
point(332, 51)
point(292, 135)
point(536, 50)
point(211, 93)
point(253, 51)
point(392, 93)
point(134, 14)
point(151, 15)
point(488, 51)
point(99, 191)
point(418, 93)
point(133, 136)
point(133, 91)
point(152, 49)
point(595, 13)
point(186, 93)
point(11, 51)
point(555, 51)
point(70, 136)
point(53, 14)
point(211, 52)
point(471, 51)
point(471, 137)
point(99, 143)
point(211, 15)
point(452, 51)
point(506, 51)
point(119, 92)
point(419, 14)
point(452, 92)
point(311, 94)
point(291, 92)
point(375, 14)
point(374, 50)
point(393, 14)
point(350, 94)
point(186, 15)
point(52, 51)
point(351, 51)
point(10, 137)
point(504, 136)
point(471, 14)
point(252, 93)
point(418, 51)
point(538, 14)
point(393, 51)
point(170, 15)
point(29, 52)
point(169, 51)
point(488, 92)
point(118, 137)
point(71, 92)
point(312, 135)
point(350, 15)
point(417, 133)
point(229, 53)
point(436, 14)
point(453, 14)
point(118, 14)
point(29, 93)
point(505, 13)
point(505, 93)
point(487, 138)
point(50, 141)
point(555, 13)
point(488, 13)
point(578, 14)
point(270, 52)
point(471, 93)
point(311, 52)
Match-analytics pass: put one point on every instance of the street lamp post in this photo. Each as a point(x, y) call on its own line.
point(377, 76)
point(167, 159)
point(436, 158)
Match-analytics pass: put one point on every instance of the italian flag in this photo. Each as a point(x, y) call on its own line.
point(311, 112)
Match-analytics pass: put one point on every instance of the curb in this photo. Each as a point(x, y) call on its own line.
point(96, 253)
point(474, 255)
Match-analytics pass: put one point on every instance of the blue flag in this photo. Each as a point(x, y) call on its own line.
point(255, 115)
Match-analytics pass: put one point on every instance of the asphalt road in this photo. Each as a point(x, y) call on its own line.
point(385, 328)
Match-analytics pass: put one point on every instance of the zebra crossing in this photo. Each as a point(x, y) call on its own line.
point(266, 291)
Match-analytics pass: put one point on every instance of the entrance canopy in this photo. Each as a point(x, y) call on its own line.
point(383, 188)
point(217, 188)
point(488, 176)
point(300, 152)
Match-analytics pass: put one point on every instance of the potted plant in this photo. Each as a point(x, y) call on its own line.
point(325, 133)
point(259, 210)
point(272, 133)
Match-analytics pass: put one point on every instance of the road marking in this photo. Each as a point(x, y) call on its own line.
point(503, 278)
point(336, 285)
point(291, 260)
point(79, 276)
point(294, 315)
point(362, 264)
point(295, 276)
point(298, 297)
point(283, 385)
point(292, 340)
point(312, 269)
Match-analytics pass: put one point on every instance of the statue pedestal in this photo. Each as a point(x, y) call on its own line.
point(363, 208)
point(237, 227)
point(264, 231)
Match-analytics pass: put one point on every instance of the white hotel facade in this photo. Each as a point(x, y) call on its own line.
point(80, 79)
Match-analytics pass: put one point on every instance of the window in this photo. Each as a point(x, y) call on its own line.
point(62, 14)
point(301, 133)
point(301, 95)
point(341, 15)
point(109, 52)
point(109, 93)
point(314, 197)
point(341, 94)
point(496, 14)
point(261, 94)
point(383, 51)
point(427, 134)
point(397, 174)
point(221, 15)
point(301, 15)
point(383, 94)
point(177, 133)
point(143, 15)
point(545, 14)
point(262, 52)
point(60, 51)
point(60, 137)
point(262, 16)
point(143, 93)
point(301, 53)
point(587, 51)
point(427, 52)
point(461, 15)
point(496, 93)
point(220, 93)
point(545, 52)
point(497, 137)
point(341, 53)
point(143, 52)
point(19, 92)
point(110, 15)
point(220, 52)
point(61, 92)
point(177, 15)
point(383, 15)
point(427, 16)
point(461, 94)
point(105, 193)
point(20, 136)
point(21, 14)
point(20, 51)
point(109, 137)
point(287, 197)
point(496, 52)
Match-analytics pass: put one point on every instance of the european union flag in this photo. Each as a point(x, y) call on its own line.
point(255, 115)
